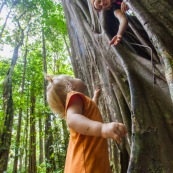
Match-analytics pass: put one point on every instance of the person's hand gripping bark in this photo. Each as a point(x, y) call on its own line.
point(114, 131)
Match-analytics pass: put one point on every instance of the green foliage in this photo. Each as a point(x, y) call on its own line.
point(41, 168)
point(34, 18)
point(4, 65)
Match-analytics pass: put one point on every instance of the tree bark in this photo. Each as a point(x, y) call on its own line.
point(134, 88)
point(157, 21)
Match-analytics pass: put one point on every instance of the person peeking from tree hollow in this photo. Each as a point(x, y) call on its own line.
point(119, 8)
point(88, 148)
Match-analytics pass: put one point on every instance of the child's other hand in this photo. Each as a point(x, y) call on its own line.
point(124, 7)
point(115, 40)
point(114, 130)
point(97, 93)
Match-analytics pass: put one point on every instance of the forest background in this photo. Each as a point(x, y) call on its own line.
point(33, 42)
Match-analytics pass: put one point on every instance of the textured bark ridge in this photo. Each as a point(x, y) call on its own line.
point(135, 78)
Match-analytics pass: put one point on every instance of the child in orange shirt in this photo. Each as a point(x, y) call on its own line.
point(119, 8)
point(87, 149)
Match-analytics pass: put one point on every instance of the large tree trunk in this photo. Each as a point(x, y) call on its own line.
point(131, 76)
point(158, 23)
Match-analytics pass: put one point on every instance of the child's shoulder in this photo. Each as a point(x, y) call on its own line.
point(75, 92)
point(72, 93)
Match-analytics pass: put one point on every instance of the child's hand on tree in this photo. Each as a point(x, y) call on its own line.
point(115, 40)
point(124, 7)
point(97, 93)
point(114, 131)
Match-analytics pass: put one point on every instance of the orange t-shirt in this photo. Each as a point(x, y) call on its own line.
point(87, 154)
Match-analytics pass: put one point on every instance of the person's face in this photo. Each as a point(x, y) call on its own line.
point(102, 5)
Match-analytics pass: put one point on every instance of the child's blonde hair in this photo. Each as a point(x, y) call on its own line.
point(57, 92)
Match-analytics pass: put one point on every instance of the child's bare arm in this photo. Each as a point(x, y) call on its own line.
point(96, 95)
point(85, 126)
point(123, 22)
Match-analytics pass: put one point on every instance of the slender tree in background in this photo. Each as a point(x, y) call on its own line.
point(8, 104)
point(135, 77)
point(2, 5)
point(49, 152)
point(25, 139)
point(32, 144)
point(41, 155)
point(20, 116)
point(3, 27)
